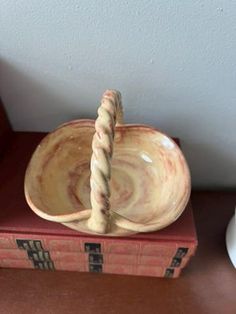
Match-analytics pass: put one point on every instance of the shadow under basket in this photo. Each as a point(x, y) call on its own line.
point(106, 177)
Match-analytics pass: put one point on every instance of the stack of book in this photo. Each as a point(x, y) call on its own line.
point(27, 241)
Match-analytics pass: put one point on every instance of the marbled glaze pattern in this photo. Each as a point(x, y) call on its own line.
point(150, 182)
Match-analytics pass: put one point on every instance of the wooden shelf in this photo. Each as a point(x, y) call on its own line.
point(207, 285)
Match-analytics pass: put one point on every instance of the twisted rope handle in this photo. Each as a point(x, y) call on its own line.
point(110, 113)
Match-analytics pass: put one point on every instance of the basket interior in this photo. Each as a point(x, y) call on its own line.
point(150, 179)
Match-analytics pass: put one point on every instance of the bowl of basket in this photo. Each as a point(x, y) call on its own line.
point(105, 177)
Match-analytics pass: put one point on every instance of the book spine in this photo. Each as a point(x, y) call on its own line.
point(94, 258)
point(32, 242)
point(138, 270)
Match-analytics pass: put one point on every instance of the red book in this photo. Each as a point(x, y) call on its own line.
point(93, 258)
point(138, 270)
point(18, 222)
point(39, 242)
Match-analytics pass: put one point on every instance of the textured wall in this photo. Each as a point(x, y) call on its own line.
point(174, 62)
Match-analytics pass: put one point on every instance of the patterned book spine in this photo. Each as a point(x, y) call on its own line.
point(31, 255)
point(138, 270)
point(94, 258)
point(50, 243)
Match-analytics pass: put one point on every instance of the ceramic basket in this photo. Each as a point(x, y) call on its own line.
point(106, 177)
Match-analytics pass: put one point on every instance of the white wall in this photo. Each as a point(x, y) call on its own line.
point(174, 62)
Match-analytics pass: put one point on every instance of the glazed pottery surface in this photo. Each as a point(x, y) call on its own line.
point(149, 185)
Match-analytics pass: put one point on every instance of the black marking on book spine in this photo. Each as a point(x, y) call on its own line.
point(181, 252)
point(95, 268)
point(92, 247)
point(169, 273)
point(39, 255)
point(29, 245)
point(176, 262)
